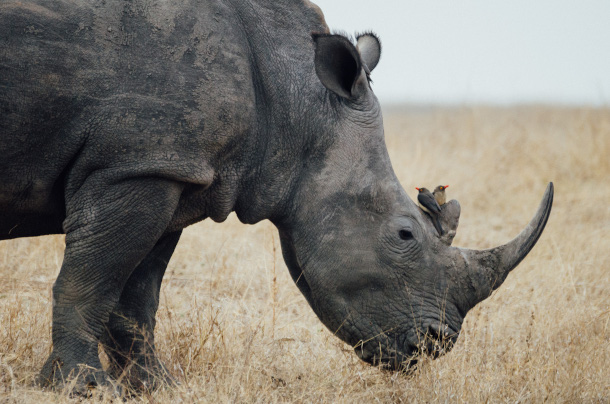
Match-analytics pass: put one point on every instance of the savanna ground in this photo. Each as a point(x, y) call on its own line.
point(232, 327)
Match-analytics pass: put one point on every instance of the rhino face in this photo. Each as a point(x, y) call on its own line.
point(367, 259)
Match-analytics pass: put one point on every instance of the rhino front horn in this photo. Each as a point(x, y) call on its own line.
point(487, 269)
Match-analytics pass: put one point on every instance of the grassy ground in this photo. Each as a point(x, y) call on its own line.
point(232, 327)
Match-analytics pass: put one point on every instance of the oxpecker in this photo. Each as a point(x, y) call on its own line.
point(428, 204)
point(439, 194)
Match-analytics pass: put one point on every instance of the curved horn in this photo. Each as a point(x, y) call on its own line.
point(487, 269)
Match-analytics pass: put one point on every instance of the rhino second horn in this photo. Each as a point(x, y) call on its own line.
point(487, 269)
point(450, 219)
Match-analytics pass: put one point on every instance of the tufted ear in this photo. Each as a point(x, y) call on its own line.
point(338, 64)
point(369, 47)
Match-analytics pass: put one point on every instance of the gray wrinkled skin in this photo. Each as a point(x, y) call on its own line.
point(122, 122)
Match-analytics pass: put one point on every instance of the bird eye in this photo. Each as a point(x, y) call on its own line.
point(405, 235)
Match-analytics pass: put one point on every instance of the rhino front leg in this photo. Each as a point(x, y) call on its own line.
point(110, 227)
point(129, 335)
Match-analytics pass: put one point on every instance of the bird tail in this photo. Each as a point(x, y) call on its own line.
point(437, 225)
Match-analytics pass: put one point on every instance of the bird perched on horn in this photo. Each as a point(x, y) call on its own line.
point(439, 194)
point(428, 204)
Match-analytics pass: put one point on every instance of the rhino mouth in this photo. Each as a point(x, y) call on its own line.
point(390, 353)
point(407, 358)
point(437, 341)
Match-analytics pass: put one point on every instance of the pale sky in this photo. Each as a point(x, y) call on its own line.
point(484, 51)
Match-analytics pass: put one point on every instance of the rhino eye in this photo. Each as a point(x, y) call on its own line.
point(405, 235)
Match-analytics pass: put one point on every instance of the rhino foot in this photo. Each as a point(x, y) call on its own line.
point(79, 380)
point(144, 373)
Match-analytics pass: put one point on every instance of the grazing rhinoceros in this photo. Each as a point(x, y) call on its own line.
point(122, 122)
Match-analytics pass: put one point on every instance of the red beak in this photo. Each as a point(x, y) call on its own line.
point(446, 186)
point(417, 188)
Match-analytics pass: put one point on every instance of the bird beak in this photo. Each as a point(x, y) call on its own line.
point(417, 188)
point(446, 186)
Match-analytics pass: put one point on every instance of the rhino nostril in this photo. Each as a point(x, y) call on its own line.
point(405, 235)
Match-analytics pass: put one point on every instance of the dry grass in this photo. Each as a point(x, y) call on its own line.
point(230, 333)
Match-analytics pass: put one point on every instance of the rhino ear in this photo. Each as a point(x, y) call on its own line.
point(369, 46)
point(338, 64)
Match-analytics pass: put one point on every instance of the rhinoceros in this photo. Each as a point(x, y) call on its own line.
point(122, 122)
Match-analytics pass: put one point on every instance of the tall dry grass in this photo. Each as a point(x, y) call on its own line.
point(232, 327)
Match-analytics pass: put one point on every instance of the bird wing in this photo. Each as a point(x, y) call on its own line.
point(428, 201)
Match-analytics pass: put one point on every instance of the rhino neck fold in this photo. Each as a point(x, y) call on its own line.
point(281, 58)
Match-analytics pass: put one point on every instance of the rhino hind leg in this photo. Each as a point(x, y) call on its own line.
point(110, 228)
point(128, 339)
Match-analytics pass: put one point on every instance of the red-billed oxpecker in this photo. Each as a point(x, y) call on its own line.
point(439, 194)
point(428, 204)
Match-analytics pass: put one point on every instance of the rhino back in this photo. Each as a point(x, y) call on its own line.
point(146, 88)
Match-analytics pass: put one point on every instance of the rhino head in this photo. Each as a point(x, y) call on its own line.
point(364, 255)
